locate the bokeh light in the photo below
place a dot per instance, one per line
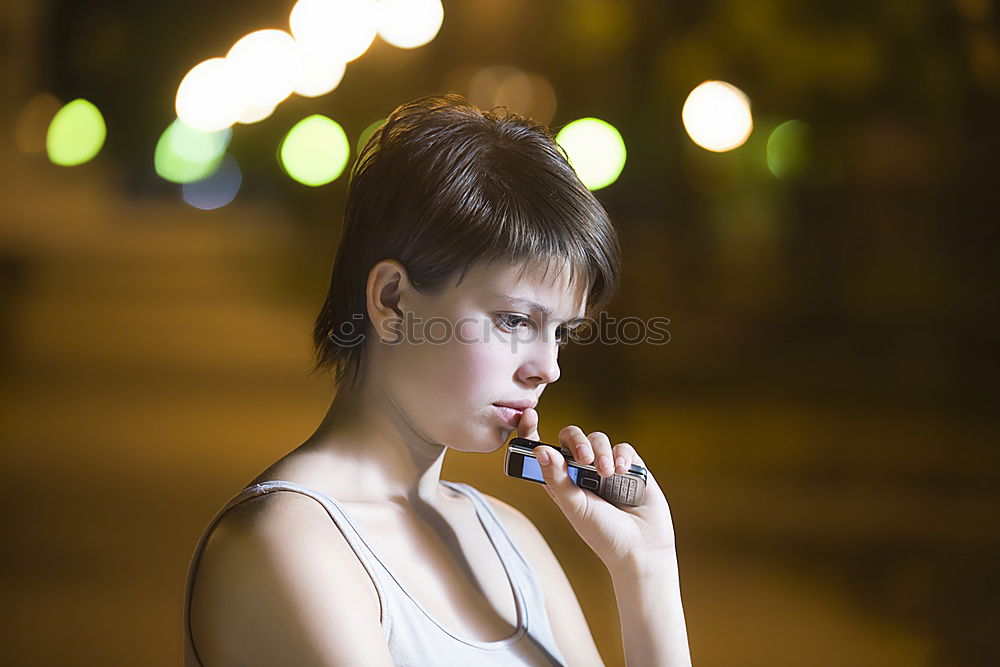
(264, 67)
(33, 122)
(717, 116)
(255, 114)
(218, 189)
(788, 149)
(502, 85)
(367, 133)
(315, 151)
(334, 30)
(408, 24)
(596, 151)
(207, 97)
(317, 75)
(76, 134)
(184, 154)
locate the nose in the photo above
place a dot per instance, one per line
(541, 365)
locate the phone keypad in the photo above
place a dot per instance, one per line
(623, 488)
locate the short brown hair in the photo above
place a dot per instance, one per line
(443, 185)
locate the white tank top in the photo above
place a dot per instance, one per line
(414, 637)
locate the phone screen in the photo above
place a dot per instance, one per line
(531, 470)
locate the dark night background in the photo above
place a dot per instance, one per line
(822, 419)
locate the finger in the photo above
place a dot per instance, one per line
(575, 440)
(602, 450)
(651, 484)
(568, 496)
(624, 454)
(527, 424)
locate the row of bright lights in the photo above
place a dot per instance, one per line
(265, 67)
(316, 150)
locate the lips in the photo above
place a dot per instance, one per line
(509, 416)
(522, 404)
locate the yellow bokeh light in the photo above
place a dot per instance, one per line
(408, 24)
(185, 155)
(315, 151)
(207, 98)
(367, 133)
(596, 151)
(334, 29)
(264, 66)
(717, 116)
(788, 149)
(76, 134)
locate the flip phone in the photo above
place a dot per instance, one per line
(626, 489)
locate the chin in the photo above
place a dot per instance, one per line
(487, 441)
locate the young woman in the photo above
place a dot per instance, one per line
(469, 250)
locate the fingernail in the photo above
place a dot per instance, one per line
(620, 461)
(604, 462)
(543, 457)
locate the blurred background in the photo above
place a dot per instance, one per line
(814, 220)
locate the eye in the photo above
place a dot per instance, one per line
(509, 321)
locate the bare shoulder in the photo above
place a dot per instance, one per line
(273, 575)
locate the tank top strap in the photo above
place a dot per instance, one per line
(373, 566)
(519, 569)
(416, 626)
(495, 529)
(376, 569)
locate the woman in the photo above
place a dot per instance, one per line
(469, 250)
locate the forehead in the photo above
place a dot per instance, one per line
(555, 291)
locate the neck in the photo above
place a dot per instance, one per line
(368, 437)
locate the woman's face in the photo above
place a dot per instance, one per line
(477, 344)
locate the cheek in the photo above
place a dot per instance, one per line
(446, 388)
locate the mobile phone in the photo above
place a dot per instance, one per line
(626, 489)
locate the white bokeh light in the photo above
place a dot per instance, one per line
(408, 24)
(717, 116)
(252, 113)
(207, 98)
(264, 66)
(318, 76)
(334, 30)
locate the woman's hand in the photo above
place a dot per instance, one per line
(617, 534)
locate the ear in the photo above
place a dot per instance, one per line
(388, 282)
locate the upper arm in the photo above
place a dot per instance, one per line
(278, 584)
(569, 625)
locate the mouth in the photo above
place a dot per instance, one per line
(509, 416)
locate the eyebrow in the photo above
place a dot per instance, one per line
(537, 306)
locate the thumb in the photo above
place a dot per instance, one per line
(570, 498)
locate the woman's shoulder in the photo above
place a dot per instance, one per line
(271, 558)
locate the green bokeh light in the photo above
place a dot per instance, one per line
(367, 133)
(185, 155)
(788, 149)
(315, 150)
(76, 134)
(596, 151)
